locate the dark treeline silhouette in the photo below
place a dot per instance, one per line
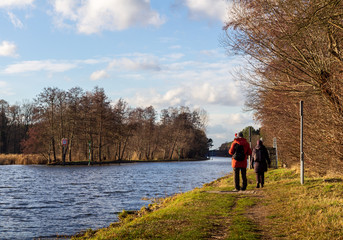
(15, 121)
(296, 53)
(99, 130)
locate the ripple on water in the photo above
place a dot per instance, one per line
(38, 201)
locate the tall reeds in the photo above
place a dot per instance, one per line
(21, 159)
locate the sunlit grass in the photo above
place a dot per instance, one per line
(309, 211)
(21, 159)
(292, 211)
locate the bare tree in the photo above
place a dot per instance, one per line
(47, 104)
(294, 48)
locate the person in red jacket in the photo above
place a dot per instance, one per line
(240, 166)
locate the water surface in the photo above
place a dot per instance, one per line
(42, 201)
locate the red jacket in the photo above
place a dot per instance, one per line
(247, 151)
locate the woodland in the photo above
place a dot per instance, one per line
(97, 129)
(294, 48)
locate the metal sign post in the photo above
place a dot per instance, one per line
(64, 143)
(301, 143)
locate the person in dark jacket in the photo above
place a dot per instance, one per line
(240, 166)
(260, 159)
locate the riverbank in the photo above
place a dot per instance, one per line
(36, 159)
(283, 209)
(80, 163)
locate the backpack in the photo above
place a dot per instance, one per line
(257, 155)
(239, 154)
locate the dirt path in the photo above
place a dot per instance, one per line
(235, 192)
(258, 214)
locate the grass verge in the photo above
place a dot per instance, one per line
(284, 209)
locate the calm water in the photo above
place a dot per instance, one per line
(41, 201)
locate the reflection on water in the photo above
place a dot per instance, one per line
(41, 201)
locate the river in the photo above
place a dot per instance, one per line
(43, 202)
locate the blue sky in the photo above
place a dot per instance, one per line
(159, 53)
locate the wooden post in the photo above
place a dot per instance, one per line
(250, 129)
(301, 143)
(89, 151)
(275, 146)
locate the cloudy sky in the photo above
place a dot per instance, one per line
(148, 52)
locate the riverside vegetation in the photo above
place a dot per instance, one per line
(284, 209)
(95, 128)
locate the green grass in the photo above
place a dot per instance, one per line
(288, 210)
(243, 227)
(193, 215)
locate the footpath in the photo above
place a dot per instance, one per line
(283, 209)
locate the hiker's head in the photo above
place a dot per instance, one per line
(240, 134)
(259, 142)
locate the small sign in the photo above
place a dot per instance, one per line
(64, 141)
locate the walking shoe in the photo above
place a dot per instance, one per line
(258, 185)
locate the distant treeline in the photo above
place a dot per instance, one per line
(98, 129)
(223, 150)
(296, 53)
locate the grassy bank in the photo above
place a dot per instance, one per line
(284, 209)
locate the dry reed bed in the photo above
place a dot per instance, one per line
(21, 159)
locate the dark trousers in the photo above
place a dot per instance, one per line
(260, 178)
(244, 178)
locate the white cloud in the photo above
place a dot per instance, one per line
(8, 49)
(175, 56)
(3, 84)
(94, 16)
(53, 65)
(191, 93)
(99, 75)
(93, 61)
(15, 3)
(139, 63)
(212, 9)
(34, 66)
(15, 20)
(66, 9)
(215, 53)
(5, 90)
(239, 118)
(190, 82)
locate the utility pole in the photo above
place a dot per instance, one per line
(301, 143)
